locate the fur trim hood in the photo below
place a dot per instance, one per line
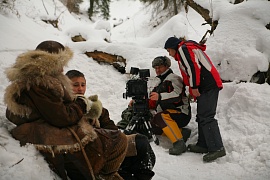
(36, 68)
(37, 63)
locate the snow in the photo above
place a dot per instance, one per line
(239, 48)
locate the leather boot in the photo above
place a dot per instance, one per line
(211, 156)
(196, 149)
(178, 148)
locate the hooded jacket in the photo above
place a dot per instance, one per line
(40, 102)
(196, 67)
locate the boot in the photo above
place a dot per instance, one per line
(178, 148)
(144, 174)
(186, 133)
(126, 175)
(196, 149)
(211, 156)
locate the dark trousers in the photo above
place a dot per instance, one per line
(208, 130)
(139, 167)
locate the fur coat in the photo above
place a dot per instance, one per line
(40, 102)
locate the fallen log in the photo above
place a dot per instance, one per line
(112, 59)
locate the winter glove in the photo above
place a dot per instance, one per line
(152, 104)
(87, 103)
(95, 111)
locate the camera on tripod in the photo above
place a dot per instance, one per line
(136, 88)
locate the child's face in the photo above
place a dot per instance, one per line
(78, 85)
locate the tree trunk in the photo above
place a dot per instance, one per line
(166, 2)
(175, 7)
(112, 59)
(199, 9)
(105, 57)
(91, 9)
(204, 13)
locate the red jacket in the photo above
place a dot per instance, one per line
(196, 67)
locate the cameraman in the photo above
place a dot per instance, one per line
(171, 104)
(140, 158)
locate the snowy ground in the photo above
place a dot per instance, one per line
(243, 108)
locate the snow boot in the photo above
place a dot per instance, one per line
(196, 149)
(178, 148)
(144, 174)
(211, 156)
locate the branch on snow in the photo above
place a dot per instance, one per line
(205, 14)
(268, 26)
(114, 60)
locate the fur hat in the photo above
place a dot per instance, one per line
(49, 46)
(161, 60)
(172, 43)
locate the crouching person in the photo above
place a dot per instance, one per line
(41, 103)
(172, 106)
(169, 106)
(140, 158)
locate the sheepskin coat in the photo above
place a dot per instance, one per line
(40, 102)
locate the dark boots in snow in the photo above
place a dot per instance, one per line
(196, 149)
(143, 174)
(211, 156)
(178, 148)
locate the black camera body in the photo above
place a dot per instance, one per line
(136, 88)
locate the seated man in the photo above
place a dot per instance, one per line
(140, 158)
(48, 116)
(171, 104)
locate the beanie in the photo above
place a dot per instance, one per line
(161, 60)
(52, 47)
(172, 43)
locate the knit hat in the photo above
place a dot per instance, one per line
(52, 47)
(172, 43)
(161, 60)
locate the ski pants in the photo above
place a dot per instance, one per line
(208, 131)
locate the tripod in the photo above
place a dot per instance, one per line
(140, 118)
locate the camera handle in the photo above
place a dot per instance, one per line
(134, 121)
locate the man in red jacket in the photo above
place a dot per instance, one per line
(204, 83)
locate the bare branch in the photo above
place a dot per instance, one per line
(16, 163)
(45, 7)
(202, 11)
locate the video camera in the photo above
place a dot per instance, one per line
(136, 88)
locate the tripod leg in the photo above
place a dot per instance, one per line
(130, 127)
(149, 131)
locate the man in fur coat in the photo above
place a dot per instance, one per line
(40, 102)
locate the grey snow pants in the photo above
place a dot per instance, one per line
(208, 130)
